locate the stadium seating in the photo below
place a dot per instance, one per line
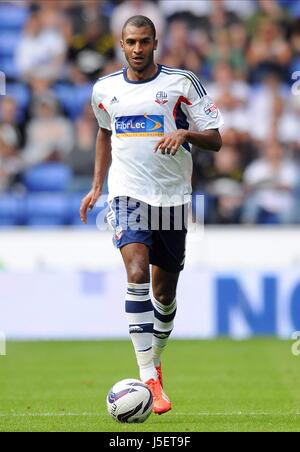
(73, 98)
(265, 217)
(8, 66)
(12, 19)
(19, 92)
(44, 209)
(8, 43)
(11, 210)
(13, 16)
(48, 177)
(74, 92)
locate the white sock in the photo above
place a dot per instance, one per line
(140, 315)
(163, 326)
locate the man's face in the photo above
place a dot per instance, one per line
(138, 46)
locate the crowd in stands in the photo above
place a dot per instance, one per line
(246, 53)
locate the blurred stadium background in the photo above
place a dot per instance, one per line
(243, 270)
(62, 280)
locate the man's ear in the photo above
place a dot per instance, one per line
(122, 44)
(155, 44)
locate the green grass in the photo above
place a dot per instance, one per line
(218, 385)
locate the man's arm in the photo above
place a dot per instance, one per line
(102, 162)
(208, 139)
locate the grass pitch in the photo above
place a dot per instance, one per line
(218, 385)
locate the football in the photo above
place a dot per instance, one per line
(129, 401)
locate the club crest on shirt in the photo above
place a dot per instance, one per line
(161, 97)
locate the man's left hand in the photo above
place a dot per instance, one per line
(169, 144)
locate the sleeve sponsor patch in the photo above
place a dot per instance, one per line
(211, 110)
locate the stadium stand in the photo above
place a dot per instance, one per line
(246, 53)
(49, 177)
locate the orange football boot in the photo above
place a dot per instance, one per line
(159, 374)
(161, 402)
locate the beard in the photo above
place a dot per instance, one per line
(140, 68)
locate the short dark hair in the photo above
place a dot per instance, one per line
(140, 21)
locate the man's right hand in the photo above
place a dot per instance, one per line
(88, 202)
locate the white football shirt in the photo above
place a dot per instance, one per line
(139, 113)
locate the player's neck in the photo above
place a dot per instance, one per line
(147, 74)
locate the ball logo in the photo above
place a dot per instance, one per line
(129, 401)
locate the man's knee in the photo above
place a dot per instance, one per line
(165, 297)
(137, 274)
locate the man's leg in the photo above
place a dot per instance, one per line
(139, 308)
(140, 315)
(164, 286)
